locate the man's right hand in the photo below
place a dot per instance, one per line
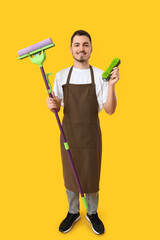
(53, 102)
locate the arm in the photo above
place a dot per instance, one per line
(111, 103)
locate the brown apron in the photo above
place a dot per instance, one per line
(82, 131)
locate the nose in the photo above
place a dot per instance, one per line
(81, 48)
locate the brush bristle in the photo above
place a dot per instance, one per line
(114, 63)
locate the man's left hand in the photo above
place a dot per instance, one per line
(114, 76)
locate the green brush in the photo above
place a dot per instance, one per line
(106, 75)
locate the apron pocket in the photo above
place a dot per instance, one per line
(80, 136)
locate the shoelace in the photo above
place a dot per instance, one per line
(68, 218)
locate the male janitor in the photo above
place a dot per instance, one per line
(82, 92)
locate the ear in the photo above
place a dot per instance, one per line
(70, 49)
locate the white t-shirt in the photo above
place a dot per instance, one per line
(82, 76)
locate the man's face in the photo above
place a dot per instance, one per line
(81, 48)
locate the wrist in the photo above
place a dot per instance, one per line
(111, 85)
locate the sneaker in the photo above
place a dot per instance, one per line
(68, 222)
(97, 225)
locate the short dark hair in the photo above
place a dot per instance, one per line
(81, 33)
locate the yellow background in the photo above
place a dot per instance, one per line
(33, 199)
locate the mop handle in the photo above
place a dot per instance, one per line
(65, 141)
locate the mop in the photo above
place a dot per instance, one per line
(37, 55)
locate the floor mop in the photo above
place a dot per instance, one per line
(37, 55)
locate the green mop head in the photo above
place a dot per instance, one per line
(36, 52)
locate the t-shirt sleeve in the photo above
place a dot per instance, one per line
(105, 91)
(102, 92)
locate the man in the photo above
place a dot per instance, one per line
(82, 92)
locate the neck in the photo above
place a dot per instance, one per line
(81, 65)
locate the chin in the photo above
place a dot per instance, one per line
(81, 59)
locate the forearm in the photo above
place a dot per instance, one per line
(110, 104)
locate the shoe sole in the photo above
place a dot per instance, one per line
(71, 226)
(92, 226)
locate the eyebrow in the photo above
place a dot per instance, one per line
(79, 43)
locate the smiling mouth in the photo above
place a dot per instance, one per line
(81, 54)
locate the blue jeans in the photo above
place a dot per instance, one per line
(73, 201)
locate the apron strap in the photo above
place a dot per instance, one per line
(92, 75)
(70, 71)
(69, 75)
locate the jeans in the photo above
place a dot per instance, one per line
(73, 201)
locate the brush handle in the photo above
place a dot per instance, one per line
(64, 140)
